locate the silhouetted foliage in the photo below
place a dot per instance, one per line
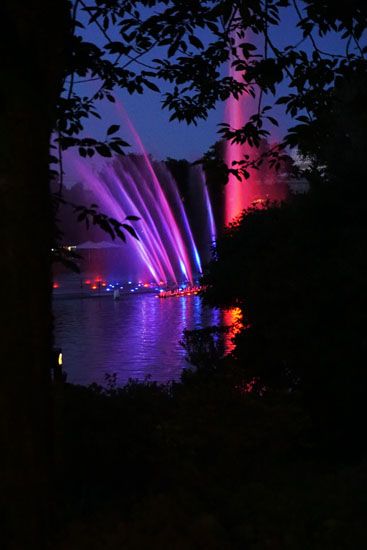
(161, 41)
(301, 278)
(200, 464)
(204, 347)
(298, 272)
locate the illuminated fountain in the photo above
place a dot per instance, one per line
(263, 184)
(136, 185)
(238, 195)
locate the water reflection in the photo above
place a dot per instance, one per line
(134, 337)
(232, 318)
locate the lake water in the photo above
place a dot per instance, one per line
(135, 337)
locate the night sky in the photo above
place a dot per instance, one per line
(163, 138)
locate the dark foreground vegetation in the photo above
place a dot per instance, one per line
(200, 465)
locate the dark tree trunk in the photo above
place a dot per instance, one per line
(33, 45)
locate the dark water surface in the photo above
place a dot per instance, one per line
(134, 337)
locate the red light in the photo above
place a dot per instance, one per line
(87, 282)
(55, 285)
(146, 285)
(98, 279)
(104, 284)
(94, 287)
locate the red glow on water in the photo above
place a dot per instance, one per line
(178, 292)
(55, 285)
(87, 282)
(232, 318)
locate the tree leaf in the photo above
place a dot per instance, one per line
(113, 129)
(130, 230)
(104, 150)
(196, 42)
(151, 86)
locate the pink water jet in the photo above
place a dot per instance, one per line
(239, 195)
(165, 212)
(136, 185)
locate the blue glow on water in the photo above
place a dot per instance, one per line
(134, 336)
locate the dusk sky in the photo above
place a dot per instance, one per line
(163, 138)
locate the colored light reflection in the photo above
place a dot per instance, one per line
(232, 318)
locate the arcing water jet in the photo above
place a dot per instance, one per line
(137, 185)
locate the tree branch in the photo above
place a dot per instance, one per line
(132, 59)
(310, 36)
